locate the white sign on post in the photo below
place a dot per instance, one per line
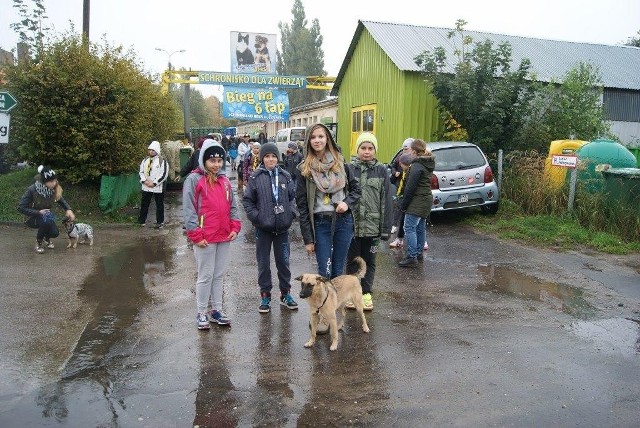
(566, 161)
(4, 128)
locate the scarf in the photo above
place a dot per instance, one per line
(326, 180)
(401, 184)
(254, 164)
(43, 190)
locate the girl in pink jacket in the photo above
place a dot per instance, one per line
(212, 222)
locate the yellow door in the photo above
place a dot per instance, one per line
(363, 119)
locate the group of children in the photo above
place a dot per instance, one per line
(344, 210)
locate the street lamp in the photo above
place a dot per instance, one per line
(169, 55)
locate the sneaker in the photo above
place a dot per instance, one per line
(202, 321)
(219, 317)
(426, 247)
(394, 229)
(367, 302)
(39, 247)
(408, 261)
(49, 245)
(396, 243)
(265, 304)
(159, 225)
(350, 305)
(287, 300)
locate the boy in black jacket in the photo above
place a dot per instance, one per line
(269, 202)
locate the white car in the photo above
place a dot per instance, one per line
(462, 178)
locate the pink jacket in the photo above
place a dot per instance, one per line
(210, 212)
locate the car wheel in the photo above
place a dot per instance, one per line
(490, 209)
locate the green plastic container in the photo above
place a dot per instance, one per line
(636, 152)
(185, 154)
(598, 155)
(623, 186)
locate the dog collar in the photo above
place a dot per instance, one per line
(323, 302)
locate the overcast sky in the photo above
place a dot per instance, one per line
(202, 27)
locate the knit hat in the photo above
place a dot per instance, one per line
(292, 146)
(214, 151)
(407, 143)
(155, 146)
(46, 174)
(406, 158)
(269, 148)
(367, 137)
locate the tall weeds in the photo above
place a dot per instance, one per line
(529, 184)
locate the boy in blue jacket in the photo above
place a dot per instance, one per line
(269, 202)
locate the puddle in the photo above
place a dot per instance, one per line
(505, 280)
(614, 335)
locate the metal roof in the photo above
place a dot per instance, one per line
(550, 59)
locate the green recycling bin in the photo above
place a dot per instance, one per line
(623, 186)
(185, 154)
(636, 153)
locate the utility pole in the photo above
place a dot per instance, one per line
(86, 5)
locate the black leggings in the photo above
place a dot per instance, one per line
(47, 230)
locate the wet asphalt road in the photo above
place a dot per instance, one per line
(484, 333)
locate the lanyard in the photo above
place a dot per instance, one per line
(274, 184)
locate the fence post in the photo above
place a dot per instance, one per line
(500, 169)
(572, 188)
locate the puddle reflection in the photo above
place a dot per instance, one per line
(570, 300)
(615, 335)
(118, 289)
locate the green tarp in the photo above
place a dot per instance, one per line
(115, 191)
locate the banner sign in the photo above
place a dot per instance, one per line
(255, 104)
(245, 79)
(253, 52)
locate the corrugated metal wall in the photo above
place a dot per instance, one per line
(621, 105)
(404, 105)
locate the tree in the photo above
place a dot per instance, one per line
(301, 54)
(634, 41)
(484, 95)
(86, 112)
(198, 113)
(570, 109)
(30, 26)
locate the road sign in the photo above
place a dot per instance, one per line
(4, 128)
(566, 161)
(7, 102)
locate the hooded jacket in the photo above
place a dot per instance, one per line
(417, 198)
(210, 212)
(259, 201)
(154, 168)
(372, 214)
(306, 190)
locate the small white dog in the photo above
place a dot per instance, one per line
(77, 231)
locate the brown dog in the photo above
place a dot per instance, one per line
(325, 297)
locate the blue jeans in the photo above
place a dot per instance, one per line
(332, 255)
(415, 234)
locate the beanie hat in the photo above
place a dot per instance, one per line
(46, 174)
(367, 137)
(155, 146)
(213, 151)
(292, 146)
(407, 143)
(269, 148)
(406, 158)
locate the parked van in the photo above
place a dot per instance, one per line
(285, 136)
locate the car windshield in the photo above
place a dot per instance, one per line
(297, 135)
(456, 158)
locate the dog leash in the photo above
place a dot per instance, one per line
(325, 299)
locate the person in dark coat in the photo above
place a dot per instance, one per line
(416, 202)
(269, 202)
(292, 159)
(36, 203)
(192, 163)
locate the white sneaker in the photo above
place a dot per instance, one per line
(394, 229)
(426, 247)
(396, 243)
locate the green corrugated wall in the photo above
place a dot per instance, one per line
(404, 104)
